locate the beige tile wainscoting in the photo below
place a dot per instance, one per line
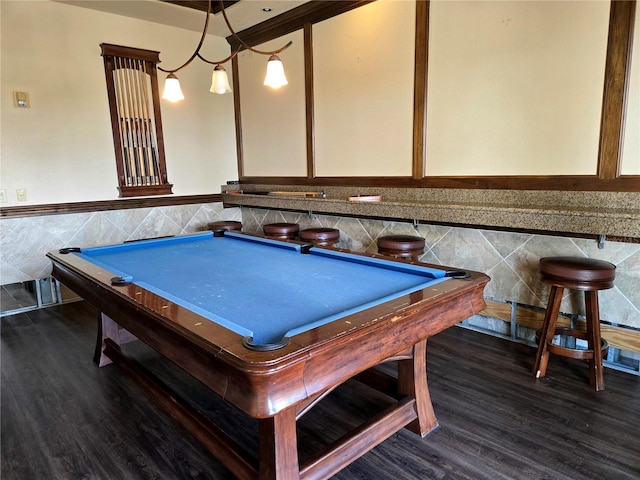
(515, 297)
(26, 240)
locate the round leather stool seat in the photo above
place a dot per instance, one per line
(281, 231)
(577, 273)
(225, 225)
(321, 237)
(401, 245)
(574, 273)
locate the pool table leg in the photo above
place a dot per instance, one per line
(279, 447)
(412, 382)
(107, 328)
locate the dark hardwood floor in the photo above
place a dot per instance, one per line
(64, 418)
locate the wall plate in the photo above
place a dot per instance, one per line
(21, 100)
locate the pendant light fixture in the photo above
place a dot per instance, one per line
(275, 77)
(220, 81)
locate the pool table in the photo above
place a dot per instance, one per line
(272, 327)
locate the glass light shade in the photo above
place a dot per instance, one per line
(275, 73)
(219, 81)
(172, 90)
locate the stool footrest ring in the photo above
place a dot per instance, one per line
(580, 354)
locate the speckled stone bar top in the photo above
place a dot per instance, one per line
(614, 214)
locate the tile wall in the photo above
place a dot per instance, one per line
(25, 241)
(510, 259)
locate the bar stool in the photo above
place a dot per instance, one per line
(281, 231)
(321, 237)
(575, 273)
(225, 225)
(403, 246)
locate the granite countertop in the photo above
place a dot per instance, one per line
(613, 214)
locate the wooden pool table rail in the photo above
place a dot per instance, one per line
(278, 387)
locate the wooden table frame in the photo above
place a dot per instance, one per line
(280, 386)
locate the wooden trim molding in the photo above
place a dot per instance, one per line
(97, 206)
(235, 68)
(144, 190)
(616, 82)
(309, 104)
(295, 19)
(420, 90)
(628, 183)
(607, 177)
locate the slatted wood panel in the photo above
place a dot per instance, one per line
(623, 338)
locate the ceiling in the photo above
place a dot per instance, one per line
(187, 14)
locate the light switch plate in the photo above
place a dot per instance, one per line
(21, 100)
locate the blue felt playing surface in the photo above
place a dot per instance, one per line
(260, 288)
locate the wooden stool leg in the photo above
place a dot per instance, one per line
(548, 329)
(596, 374)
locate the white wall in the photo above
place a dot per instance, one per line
(363, 67)
(268, 114)
(515, 88)
(61, 149)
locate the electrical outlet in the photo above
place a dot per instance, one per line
(21, 193)
(3, 195)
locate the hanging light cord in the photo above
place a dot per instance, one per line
(233, 54)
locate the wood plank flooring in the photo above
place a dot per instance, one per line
(64, 418)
